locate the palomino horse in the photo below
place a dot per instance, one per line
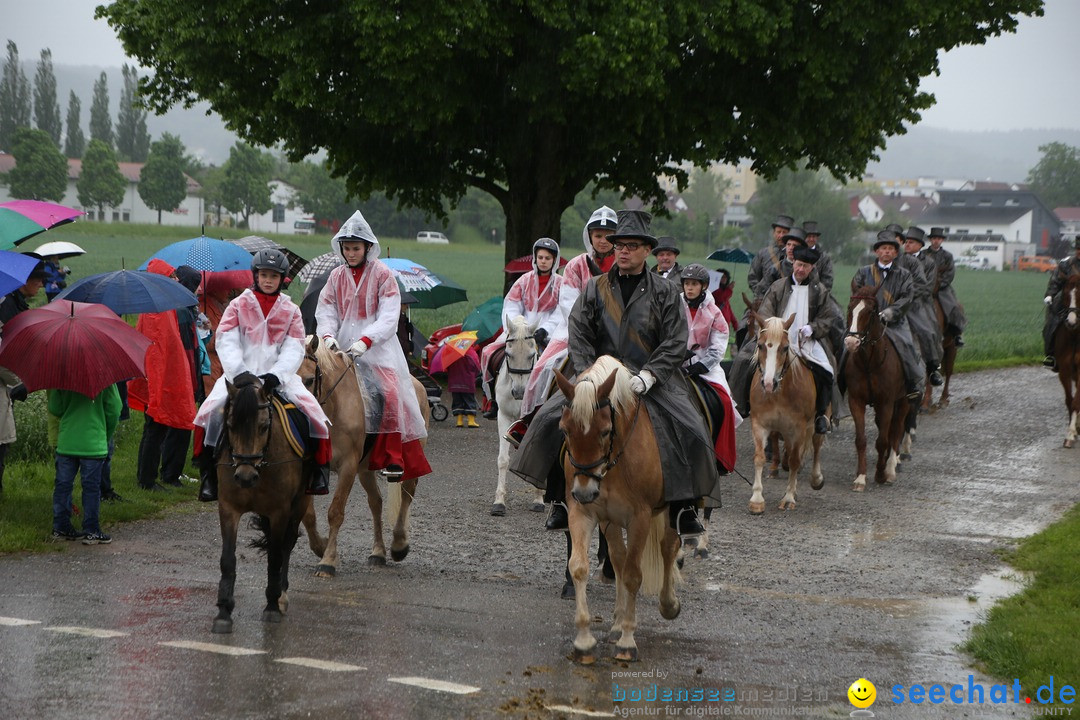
(782, 395)
(1067, 352)
(772, 449)
(612, 466)
(521, 354)
(262, 475)
(331, 376)
(874, 376)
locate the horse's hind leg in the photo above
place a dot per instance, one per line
(316, 542)
(401, 495)
(301, 504)
(795, 455)
(701, 548)
(375, 504)
(774, 454)
(617, 553)
(669, 549)
(817, 478)
(229, 519)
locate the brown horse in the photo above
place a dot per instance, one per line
(261, 474)
(948, 362)
(614, 478)
(1067, 352)
(782, 395)
(331, 376)
(874, 376)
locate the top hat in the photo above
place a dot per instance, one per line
(810, 227)
(633, 224)
(894, 228)
(936, 232)
(887, 237)
(806, 254)
(666, 242)
(917, 234)
(796, 234)
(785, 221)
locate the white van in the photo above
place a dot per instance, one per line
(304, 226)
(431, 237)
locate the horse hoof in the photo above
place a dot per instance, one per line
(568, 591)
(774, 473)
(757, 508)
(325, 571)
(583, 657)
(271, 616)
(537, 507)
(376, 560)
(817, 483)
(498, 510)
(702, 553)
(858, 488)
(905, 456)
(1068, 444)
(399, 555)
(626, 654)
(670, 613)
(785, 505)
(680, 561)
(222, 626)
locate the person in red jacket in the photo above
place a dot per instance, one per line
(722, 297)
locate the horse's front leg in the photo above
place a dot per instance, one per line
(817, 477)
(498, 508)
(858, 416)
(1072, 400)
(402, 497)
(630, 580)
(375, 504)
(701, 545)
(581, 530)
(335, 514)
(275, 557)
(886, 418)
(316, 542)
(229, 520)
(761, 437)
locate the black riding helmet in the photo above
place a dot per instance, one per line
(269, 259)
(696, 271)
(546, 244)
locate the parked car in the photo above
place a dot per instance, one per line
(432, 238)
(304, 226)
(1040, 263)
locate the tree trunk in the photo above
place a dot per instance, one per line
(159, 216)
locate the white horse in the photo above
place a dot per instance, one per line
(514, 371)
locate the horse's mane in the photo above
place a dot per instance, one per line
(866, 292)
(519, 327)
(328, 358)
(621, 396)
(245, 401)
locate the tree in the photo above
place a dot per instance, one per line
(132, 139)
(40, 171)
(74, 141)
(100, 183)
(162, 185)
(46, 107)
(1056, 177)
(530, 101)
(14, 99)
(100, 122)
(322, 195)
(808, 195)
(245, 187)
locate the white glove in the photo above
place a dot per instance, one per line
(358, 348)
(637, 385)
(887, 315)
(806, 331)
(330, 343)
(1047, 300)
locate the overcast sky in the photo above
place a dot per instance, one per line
(1026, 80)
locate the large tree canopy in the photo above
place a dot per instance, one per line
(1056, 177)
(531, 100)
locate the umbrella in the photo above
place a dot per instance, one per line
(131, 291)
(14, 269)
(203, 253)
(72, 347)
(320, 266)
(22, 219)
(431, 289)
(224, 282)
(732, 255)
(255, 243)
(523, 264)
(59, 250)
(486, 319)
(452, 350)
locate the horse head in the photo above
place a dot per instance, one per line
(247, 424)
(521, 354)
(1071, 296)
(588, 421)
(864, 326)
(774, 353)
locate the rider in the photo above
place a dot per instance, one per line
(921, 316)
(895, 292)
(358, 310)
(636, 316)
(1066, 268)
(666, 254)
(955, 321)
(534, 296)
(772, 255)
(707, 343)
(823, 268)
(261, 336)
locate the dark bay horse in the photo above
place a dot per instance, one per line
(875, 377)
(331, 376)
(1067, 352)
(614, 479)
(257, 472)
(948, 362)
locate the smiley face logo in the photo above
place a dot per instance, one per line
(862, 693)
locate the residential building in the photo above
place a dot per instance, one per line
(1024, 225)
(1070, 223)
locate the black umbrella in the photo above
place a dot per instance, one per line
(732, 255)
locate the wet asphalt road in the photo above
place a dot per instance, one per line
(789, 609)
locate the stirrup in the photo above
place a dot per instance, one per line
(689, 531)
(393, 473)
(515, 433)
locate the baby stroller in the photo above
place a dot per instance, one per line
(439, 411)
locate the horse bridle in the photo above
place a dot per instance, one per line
(864, 336)
(256, 460)
(607, 461)
(783, 369)
(317, 384)
(519, 371)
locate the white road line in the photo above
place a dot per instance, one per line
(440, 685)
(16, 622)
(88, 632)
(578, 711)
(321, 664)
(211, 647)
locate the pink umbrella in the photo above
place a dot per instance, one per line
(23, 219)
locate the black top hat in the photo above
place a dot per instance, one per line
(810, 227)
(936, 232)
(633, 224)
(666, 242)
(887, 237)
(894, 228)
(917, 234)
(785, 221)
(796, 234)
(806, 254)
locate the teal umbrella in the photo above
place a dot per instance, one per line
(486, 319)
(732, 255)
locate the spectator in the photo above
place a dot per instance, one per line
(722, 297)
(55, 278)
(461, 379)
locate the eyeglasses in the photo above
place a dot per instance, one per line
(631, 246)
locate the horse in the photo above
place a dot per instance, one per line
(874, 376)
(782, 395)
(262, 475)
(948, 362)
(772, 449)
(1067, 353)
(614, 478)
(513, 376)
(331, 376)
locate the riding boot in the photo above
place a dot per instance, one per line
(319, 482)
(823, 384)
(683, 518)
(958, 340)
(207, 474)
(558, 519)
(934, 376)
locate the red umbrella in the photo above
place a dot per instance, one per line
(72, 346)
(452, 350)
(523, 264)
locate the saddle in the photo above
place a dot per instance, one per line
(496, 360)
(294, 423)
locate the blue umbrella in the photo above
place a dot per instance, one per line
(131, 291)
(14, 269)
(203, 253)
(732, 255)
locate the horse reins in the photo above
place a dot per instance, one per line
(318, 380)
(607, 461)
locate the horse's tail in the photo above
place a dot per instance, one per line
(652, 557)
(262, 524)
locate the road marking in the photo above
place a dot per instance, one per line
(16, 622)
(211, 647)
(578, 711)
(321, 664)
(440, 685)
(88, 632)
